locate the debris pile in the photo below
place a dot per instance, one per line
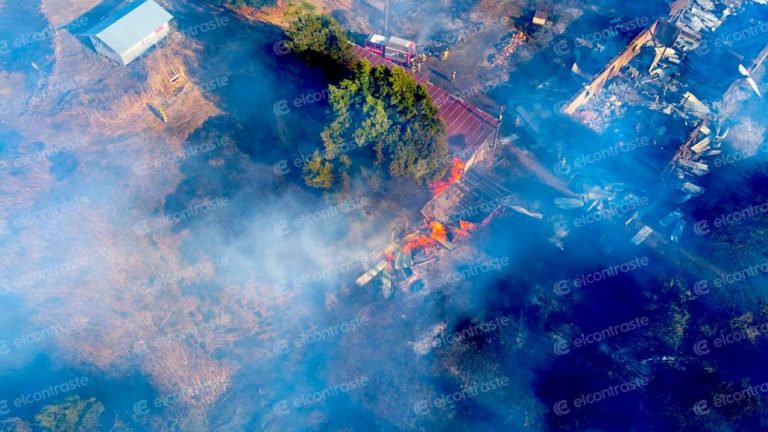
(458, 209)
(666, 75)
(515, 40)
(665, 69)
(693, 158)
(606, 201)
(398, 264)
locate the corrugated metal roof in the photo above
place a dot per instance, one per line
(130, 24)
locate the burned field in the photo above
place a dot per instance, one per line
(589, 258)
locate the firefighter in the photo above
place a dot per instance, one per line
(446, 53)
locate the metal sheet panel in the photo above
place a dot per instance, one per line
(130, 25)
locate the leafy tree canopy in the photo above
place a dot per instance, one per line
(388, 113)
(381, 110)
(74, 414)
(317, 37)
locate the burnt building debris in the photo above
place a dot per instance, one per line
(472, 199)
(543, 12)
(598, 203)
(609, 201)
(664, 78)
(641, 235)
(680, 74)
(398, 264)
(667, 67)
(690, 161)
(450, 218)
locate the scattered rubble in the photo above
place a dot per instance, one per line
(667, 69)
(508, 48)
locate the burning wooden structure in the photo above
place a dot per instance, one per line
(469, 132)
(450, 217)
(398, 263)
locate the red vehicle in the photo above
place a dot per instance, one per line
(377, 44)
(395, 49)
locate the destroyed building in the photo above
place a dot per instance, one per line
(470, 133)
(667, 67)
(677, 75)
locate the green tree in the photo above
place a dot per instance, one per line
(317, 37)
(382, 114)
(388, 113)
(319, 172)
(72, 415)
(14, 424)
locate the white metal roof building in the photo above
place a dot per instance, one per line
(130, 30)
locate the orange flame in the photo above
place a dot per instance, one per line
(438, 231)
(421, 242)
(464, 230)
(390, 260)
(457, 170)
